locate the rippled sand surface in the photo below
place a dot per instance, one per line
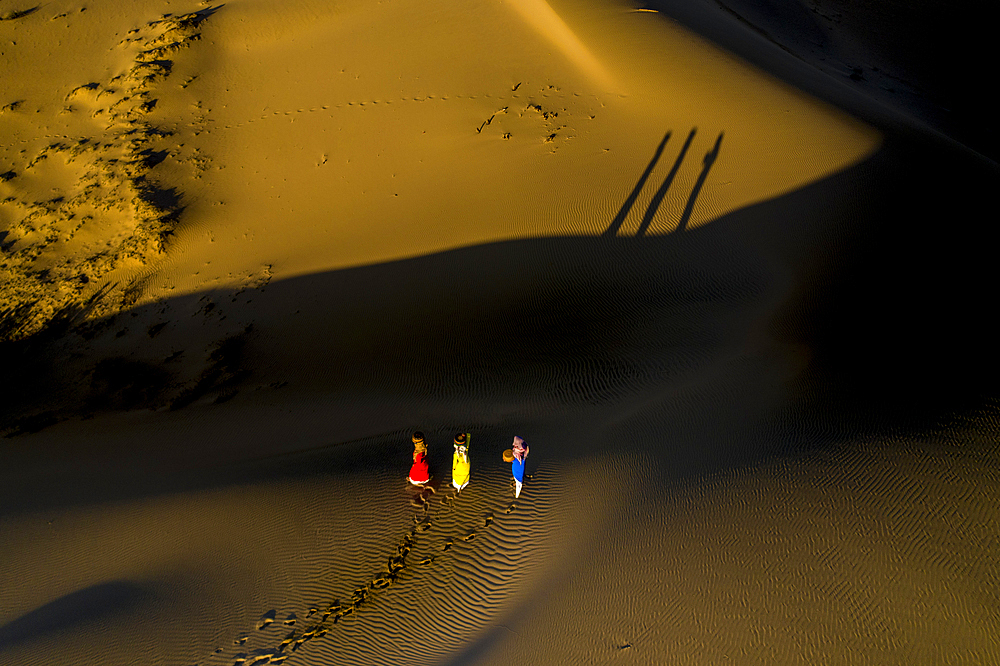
(721, 265)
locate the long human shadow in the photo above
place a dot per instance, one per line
(661, 192)
(623, 212)
(654, 204)
(83, 606)
(707, 163)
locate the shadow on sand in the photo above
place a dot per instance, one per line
(850, 297)
(661, 192)
(72, 610)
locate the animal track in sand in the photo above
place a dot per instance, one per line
(529, 114)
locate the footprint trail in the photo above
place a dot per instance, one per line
(321, 619)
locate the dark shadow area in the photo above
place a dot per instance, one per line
(707, 163)
(195, 19)
(481, 646)
(84, 606)
(657, 199)
(18, 13)
(790, 15)
(878, 279)
(941, 86)
(623, 212)
(119, 383)
(166, 199)
(150, 158)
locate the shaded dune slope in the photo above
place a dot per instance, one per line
(833, 280)
(924, 62)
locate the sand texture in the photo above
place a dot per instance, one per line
(727, 266)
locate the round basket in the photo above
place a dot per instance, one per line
(508, 456)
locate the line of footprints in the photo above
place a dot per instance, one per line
(320, 620)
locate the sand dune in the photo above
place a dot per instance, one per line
(736, 300)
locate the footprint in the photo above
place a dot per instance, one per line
(290, 620)
(489, 520)
(265, 619)
(469, 537)
(448, 544)
(511, 507)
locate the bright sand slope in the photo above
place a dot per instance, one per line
(305, 136)
(312, 267)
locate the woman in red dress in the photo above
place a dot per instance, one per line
(419, 472)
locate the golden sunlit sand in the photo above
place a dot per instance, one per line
(717, 263)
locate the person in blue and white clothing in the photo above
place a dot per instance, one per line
(520, 452)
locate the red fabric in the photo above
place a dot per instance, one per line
(419, 473)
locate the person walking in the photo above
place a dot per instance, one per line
(419, 471)
(460, 465)
(519, 451)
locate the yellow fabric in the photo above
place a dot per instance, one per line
(460, 469)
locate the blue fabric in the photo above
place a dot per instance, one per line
(517, 468)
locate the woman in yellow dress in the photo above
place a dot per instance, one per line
(460, 466)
